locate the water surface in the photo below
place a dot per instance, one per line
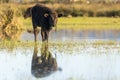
(78, 62)
(73, 35)
(88, 64)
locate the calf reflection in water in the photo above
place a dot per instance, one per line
(45, 64)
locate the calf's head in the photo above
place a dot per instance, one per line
(28, 13)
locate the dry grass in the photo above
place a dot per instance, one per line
(73, 9)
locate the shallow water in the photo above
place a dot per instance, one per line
(85, 64)
(77, 35)
(78, 62)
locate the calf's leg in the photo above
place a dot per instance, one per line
(35, 33)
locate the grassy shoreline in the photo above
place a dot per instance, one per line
(81, 23)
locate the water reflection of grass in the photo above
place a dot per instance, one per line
(83, 23)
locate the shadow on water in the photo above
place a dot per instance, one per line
(45, 64)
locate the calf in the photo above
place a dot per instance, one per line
(43, 17)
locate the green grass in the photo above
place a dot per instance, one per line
(87, 23)
(82, 23)
(26, 23)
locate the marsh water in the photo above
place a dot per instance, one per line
(75, 61)
(77, 35)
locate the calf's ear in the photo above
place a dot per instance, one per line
(59, 15)
(46, 15)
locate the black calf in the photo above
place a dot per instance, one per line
(43, 17)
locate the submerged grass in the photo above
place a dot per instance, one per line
(61, 46)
